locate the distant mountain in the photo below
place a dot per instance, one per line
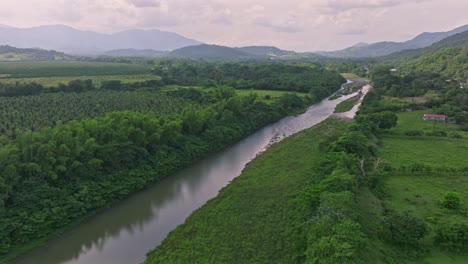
(8, 53)
(265, 51)
(205, 51)
(73, 41)
(147, 53)
(385, 48)
(250, 52)
(360, 44)
(454, 41)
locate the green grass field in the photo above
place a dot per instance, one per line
(402, 150)
(414, 121)
(420, 193)
(267, 95)
(255, 219)
(54, 81)
(346, 105)
(350, 75)
(68, 68)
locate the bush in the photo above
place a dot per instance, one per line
(455, 135)
(403, 229)
(452, 237)
(437, 134)
(342, 245)
(451, 200)
(413, 133)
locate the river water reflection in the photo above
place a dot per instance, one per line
(125, 232)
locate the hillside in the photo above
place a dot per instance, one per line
(385, 48)
(73, 41)
(250, 52)
(205, 51)
(146, 53)
(457, 40)
(8, 53)
(265, 51)
(451, 62)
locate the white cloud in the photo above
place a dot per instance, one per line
(293, 24)
(144, 3)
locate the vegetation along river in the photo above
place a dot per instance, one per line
(125, 232)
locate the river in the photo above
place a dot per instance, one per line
(125, 232)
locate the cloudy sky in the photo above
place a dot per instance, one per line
(301, 25)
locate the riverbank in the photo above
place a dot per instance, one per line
(257, 217)
(77, 200)
(145, 219)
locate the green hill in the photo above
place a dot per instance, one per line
(8, 53)
(205, 51)
(385, 48)
(145, 53)
(250, 52)
(455, 41)
(451, 62)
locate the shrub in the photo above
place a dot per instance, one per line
(403, 229)
(437, 134)
(452, 237)
(455, 135)
(413, 133)
(451, 200)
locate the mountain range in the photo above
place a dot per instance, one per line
(77, 42)
(155, 43)
(378, 49)
(250, 52)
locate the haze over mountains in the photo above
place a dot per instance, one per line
(361, 50)
(155, 43)
(73, 41)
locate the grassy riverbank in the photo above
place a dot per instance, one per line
(257, 218)
(346, 105)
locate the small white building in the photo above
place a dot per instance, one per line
(434, 117)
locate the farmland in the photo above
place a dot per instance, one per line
(68, 68)
(77, 136)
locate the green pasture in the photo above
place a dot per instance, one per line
(54, 81)
(346, 105)
(68, 68)
(256, 218)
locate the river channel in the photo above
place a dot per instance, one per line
(126, 231)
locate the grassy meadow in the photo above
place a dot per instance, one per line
(68, 68)
(256, 218)
(346, 105)
(97, 79)
(445, 160)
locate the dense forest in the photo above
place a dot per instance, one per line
(66, 151)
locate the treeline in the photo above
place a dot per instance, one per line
(335, 234)
(309, 78)
(412, 84)
(75, 86)
(304, 77)
(51, 177)
(451, 99)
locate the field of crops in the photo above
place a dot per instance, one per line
(68, 68)
(97, 79)
(34, 112)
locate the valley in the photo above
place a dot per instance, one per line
(234, 140)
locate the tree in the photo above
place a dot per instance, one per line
(403, 229)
